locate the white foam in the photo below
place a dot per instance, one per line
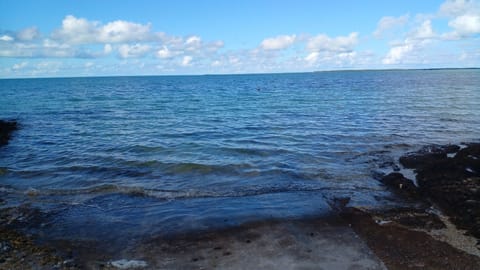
(128, 264)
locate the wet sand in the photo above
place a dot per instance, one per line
(351, 239)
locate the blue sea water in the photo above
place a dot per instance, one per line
(106, 156)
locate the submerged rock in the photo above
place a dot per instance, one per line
(401, 185)
(6, 129)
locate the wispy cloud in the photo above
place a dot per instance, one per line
(388, 23)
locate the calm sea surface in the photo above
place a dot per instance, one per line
(152, 155)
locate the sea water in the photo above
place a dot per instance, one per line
(103, 157)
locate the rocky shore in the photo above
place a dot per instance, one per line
(447, 177)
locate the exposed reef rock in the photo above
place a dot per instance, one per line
(6, 129)
(449, 176)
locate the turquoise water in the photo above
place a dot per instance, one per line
(160, 154)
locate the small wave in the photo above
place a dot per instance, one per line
(180, 168)
(161, 194)
(145, 149)
(105, 171)
(262, 152)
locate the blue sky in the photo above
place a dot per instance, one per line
(102, 38)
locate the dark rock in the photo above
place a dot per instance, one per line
(450, 148)
(469, 158)
(427, 155)
(452, 183)
(413, 161)
(401, 185)
(6, 129)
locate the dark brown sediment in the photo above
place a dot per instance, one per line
(401, 245)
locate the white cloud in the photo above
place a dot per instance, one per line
(186, 61)
(464, 17)
(48, 43)
(312, 58)
(133, 51)
(165, 53)
(193, 44)
(19, 66)
(107, 49)
(424, 31)
(28, 34)
(397, 53)
(77, 30)
(81, 31)
(123, 31)
(414, 42)
(278, 42)
(331, 51)
(214, 46)
(193, 41)
(6, 38)
(233, 60)
(466, 25)
(454, 8)
(388, 23)
(331, 59)
(337, 44)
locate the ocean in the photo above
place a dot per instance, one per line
(105, 157)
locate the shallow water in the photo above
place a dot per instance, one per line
(151, 155)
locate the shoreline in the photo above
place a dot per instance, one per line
(349, 238)
(417, 237)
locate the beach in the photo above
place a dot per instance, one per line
(419, 237)
(334, 170)
(352, 239)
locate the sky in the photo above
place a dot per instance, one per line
(73, 38)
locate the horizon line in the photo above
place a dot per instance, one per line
(239, 74)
